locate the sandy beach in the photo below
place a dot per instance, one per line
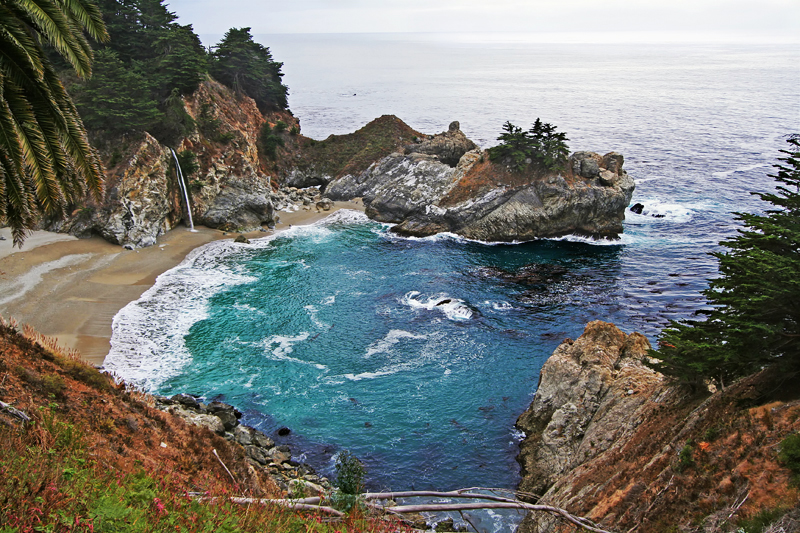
(71, 288)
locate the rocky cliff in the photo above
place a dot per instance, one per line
(425, 184)
(444, 183)
(227, 190)
(610, 439)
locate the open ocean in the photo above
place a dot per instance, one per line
(412, 353)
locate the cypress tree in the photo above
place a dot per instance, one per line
(754, 319)
(248, 68)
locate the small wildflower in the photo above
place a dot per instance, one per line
(160, 509)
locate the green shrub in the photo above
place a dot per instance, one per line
(188, 163)
(760, 522)
(53, 384)
(789, 454)
(270, 139)
(685, 459)
(349, 481)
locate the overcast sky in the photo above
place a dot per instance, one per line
(771, 20)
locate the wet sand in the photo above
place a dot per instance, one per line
(71, 288)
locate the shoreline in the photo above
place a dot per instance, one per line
(71, 289)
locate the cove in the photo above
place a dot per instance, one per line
(417, 355)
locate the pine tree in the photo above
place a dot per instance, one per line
(106, 107)
(754, 320)
(248, 68)
(541, 146)
(140, 75)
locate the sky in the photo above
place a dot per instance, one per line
(746, 20)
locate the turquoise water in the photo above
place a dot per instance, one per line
(416, 355)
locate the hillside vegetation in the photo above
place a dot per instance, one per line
(97, 456)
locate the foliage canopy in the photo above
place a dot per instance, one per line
(541, 146)
(248, 68)
(754, 320)
(149, 62)
(46, 161)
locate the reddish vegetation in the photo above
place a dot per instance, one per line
(97, 454)
(720, 470)
(485, 176)
(124, 430)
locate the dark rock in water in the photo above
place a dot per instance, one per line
(284, 431)
(228, 419)
(242, 239)
(216, 407)
(187, 400)
(637, 208)
(532, 274)
(444, 302)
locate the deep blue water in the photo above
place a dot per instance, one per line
(334, 330)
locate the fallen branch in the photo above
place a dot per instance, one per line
(14, 412)
(424, 508)
(305, 504)
(496, 502)
(434, 494)
(223, 466)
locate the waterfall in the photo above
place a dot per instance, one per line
(183, 188)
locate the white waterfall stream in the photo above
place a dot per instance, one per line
(183, 188)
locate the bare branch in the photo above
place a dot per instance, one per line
(423, 508)
(434, 494)
(305, 504)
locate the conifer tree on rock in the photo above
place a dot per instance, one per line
(248, 68)
(754, 320)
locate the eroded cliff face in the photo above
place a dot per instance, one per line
(447, 184)
(229, 190)
(612, 440)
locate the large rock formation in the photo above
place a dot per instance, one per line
(610, 439)
(446, 184)
(231, 191)
(143, 197)
(601, 372)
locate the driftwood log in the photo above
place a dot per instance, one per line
(493, 502)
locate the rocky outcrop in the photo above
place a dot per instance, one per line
(610, 439)
(228, 190)
(589, 391)
(447, 147)
(261, 451)
(318, 163)
(446, 184)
